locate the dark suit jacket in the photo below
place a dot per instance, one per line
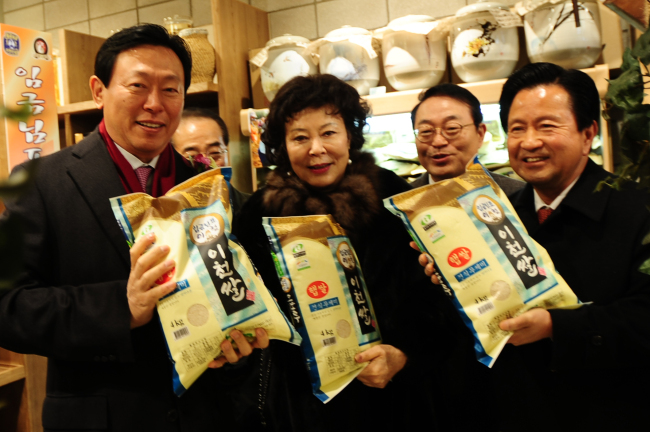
(507, 184)
(71, 306)
(591, 375)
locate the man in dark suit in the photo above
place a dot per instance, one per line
(585, 368)
(86, 301)
(449, 133)
(581, 369)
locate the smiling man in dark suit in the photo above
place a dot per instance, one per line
(86, 301)
(584, 368)
(581, 369)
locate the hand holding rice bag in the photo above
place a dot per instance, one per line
(217, 287)
(483, 255)
(330, 306)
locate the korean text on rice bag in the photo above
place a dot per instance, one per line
(217, 287)
(330, 306)
(483, 253)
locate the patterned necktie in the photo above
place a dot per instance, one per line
(143, 174)
(543, 214)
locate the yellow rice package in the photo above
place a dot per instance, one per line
(327, 295)
(485, 259)
(217, 287)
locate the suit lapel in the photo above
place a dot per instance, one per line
(96, 177)
(524, 203)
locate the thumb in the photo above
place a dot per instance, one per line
(367, 355)
(508, 325)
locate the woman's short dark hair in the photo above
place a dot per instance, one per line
(316, 91)
(452, 91)
(197, 112)
(131, 37)
(583, 94)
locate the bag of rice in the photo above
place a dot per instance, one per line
(330, 306)
(217, 288)
(483, 253)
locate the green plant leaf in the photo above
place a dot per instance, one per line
(641, 48)
(19, 181)
(20, 114)
(626, 91)
(645, 267)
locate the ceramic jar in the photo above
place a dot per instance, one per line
(414, 56)
(552, 35)
(349, 56)
(482, 49)
(174, 24)
(203, 55)
(286, 59)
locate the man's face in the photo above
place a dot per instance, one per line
(143, 103)
(446, 158)
(201, 135)
(545, 146)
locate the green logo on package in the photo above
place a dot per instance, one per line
(427, 221)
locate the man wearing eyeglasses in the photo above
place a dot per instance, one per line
(202, 131)
(449, 133)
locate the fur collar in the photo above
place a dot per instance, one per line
(353, 203)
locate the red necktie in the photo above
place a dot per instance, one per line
(143, 173)
(543, 214)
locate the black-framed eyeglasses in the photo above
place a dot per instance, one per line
(449, 130)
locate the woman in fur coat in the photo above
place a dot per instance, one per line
(314, 136)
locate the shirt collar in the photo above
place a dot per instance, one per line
(134, 161)
(556, 202)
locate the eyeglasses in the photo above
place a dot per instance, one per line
(216, 155)
(449, 130)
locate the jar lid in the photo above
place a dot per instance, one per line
(481, 6)
(346, 30)
(178, 19)
(287, 39)
(193, 31)
(408, 19)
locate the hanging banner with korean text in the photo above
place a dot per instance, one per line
(28, 79)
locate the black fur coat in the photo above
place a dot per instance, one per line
(393, 277)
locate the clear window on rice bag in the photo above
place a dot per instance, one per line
(488, 264)
(330, 307)
(217, 287)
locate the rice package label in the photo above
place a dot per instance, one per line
(485, 259)
(217, 287)
(330, 307)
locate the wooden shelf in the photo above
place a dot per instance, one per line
(11, 373)
(77, 108)
(89, 106)
(205, 87)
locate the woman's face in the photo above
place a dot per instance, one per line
(318, 146)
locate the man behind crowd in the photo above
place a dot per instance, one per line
(202, 131)
(449, 133)
(585, 368)
(86, 301)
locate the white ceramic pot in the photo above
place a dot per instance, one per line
(285, 61)
(552, 35)
(482, 49)
(350, 61)
(413, 59)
